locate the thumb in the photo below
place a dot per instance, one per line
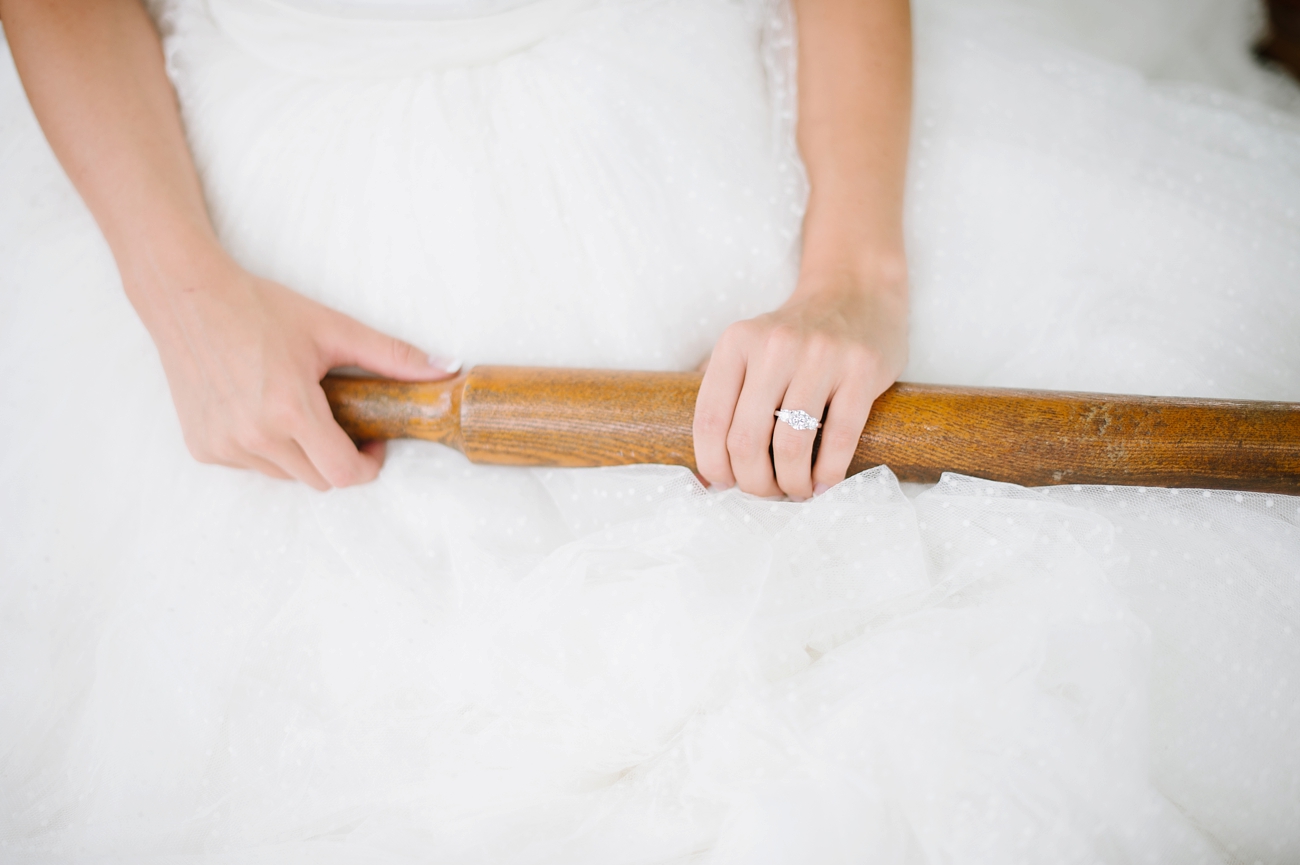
(354, 344)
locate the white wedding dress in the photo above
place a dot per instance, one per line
(472, 664)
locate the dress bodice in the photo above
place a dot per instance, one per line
(422, 9)
(387, 38)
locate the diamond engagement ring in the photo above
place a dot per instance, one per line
(797, 418)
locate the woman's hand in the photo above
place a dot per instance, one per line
(244, 358)
(841, 339)
(830, 350)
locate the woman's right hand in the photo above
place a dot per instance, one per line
(244, 358)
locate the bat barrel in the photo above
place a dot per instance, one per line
(578, 417)
(1041, 438)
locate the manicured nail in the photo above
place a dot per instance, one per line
(446, 364)
(818, 489)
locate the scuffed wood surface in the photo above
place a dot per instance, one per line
(566, 417)
(371, 409)
(1040, 438)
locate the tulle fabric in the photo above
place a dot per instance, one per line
(478, 664)
(395, 197)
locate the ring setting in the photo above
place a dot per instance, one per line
(797, 418)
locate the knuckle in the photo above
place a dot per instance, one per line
(840, 440)
(255, 439)
(711, 424)
(402, 354)
(201, 451)
(738, 333)
(828, 478)
(741, 441)
(282, 409)
(713, 465)
(822, 345)
(712, 474)
(783, 339)
(227, 452)
(864, 357)
(221, 452)
(788, 447)
(797, 492)
(281, 415)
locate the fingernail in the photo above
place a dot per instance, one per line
(446, 364)
(723, 487)
(818, 489)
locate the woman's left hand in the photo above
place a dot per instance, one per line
(830, 350)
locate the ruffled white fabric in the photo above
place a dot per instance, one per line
(476, 664)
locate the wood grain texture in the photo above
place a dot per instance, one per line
(566, 417)
(578, 417)
(1040, 438)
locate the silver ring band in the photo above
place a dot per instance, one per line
(797, 419)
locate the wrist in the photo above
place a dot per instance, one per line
(163, 260)
(170, 270)
(876, 270)
(847, 242)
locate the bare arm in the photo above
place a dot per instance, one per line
(855, 105)
(243, 356)
(93, 71)
(841, 338)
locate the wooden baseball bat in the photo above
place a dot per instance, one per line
(578, 417)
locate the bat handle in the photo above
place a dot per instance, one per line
(371, 409)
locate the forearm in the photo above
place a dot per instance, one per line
(94, 73)
(855, 96)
